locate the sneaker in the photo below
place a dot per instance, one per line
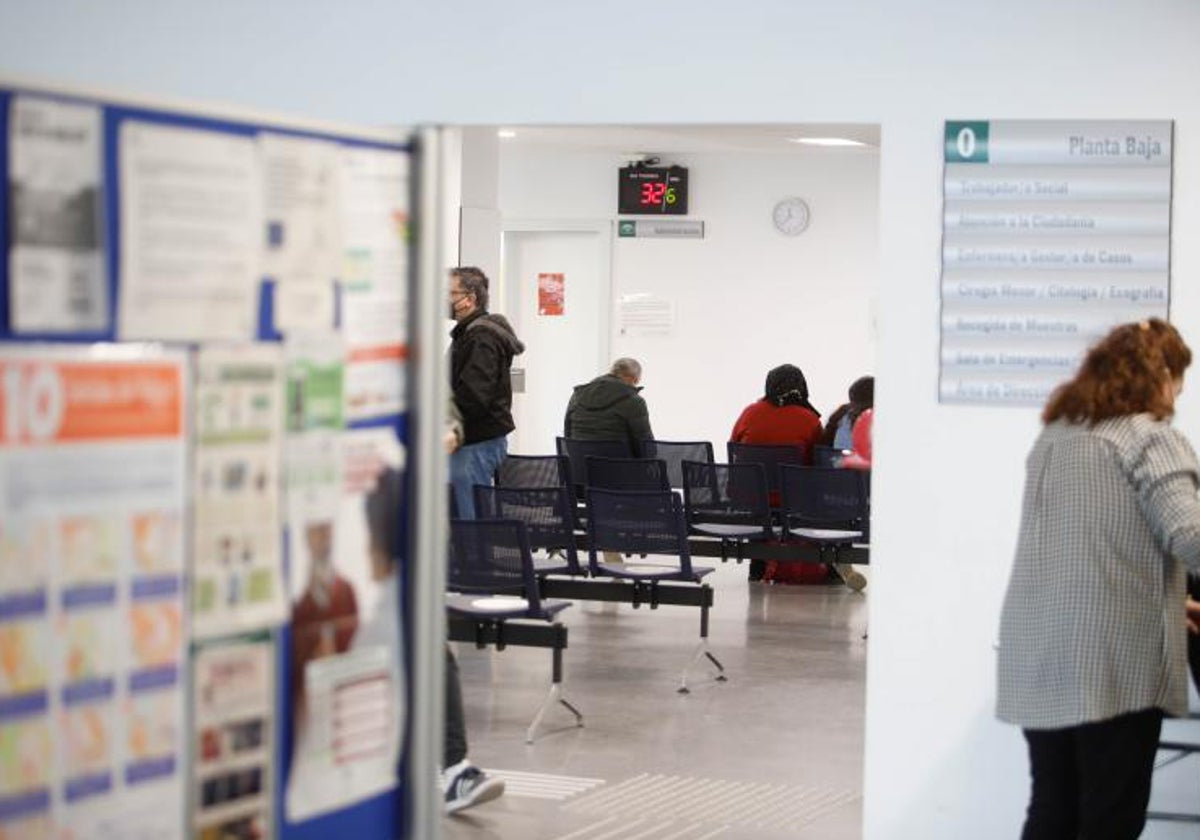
(853, 578)
(470, 787)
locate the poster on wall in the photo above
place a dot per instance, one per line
(303, 233)
(57, 277)
(1053, 232)
(191, 223)
(234, 738)
(346, 695)
(375, 233)
(551, 293)
(93, 470)
(237, 570)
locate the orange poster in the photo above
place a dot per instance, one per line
(45, 401)
(551, 294)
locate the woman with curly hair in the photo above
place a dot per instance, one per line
(1093, 645)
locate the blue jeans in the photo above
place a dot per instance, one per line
(473, 464)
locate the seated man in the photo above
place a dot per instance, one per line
(610, 407)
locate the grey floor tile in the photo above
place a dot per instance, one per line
(774, 752)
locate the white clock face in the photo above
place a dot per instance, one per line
(790, 216)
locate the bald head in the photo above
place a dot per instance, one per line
(627, 370)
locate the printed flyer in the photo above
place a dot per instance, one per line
(375, 225)
(93, 466)
(57, 279)
(234, 694)
(238, 573)
(347, 690)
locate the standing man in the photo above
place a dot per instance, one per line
(481, 355)
(610, 407)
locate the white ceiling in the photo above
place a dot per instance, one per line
(679, 139)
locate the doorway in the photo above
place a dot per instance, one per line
(556, 281)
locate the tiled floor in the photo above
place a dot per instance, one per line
(774, 752)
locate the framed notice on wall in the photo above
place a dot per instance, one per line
(1052, 233)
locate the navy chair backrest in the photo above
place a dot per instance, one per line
(729, 494)
(626, 522)
(770, 455)
(577, 452)
(824, 497)
(826, 456)
(492, 556)
(533, 471)
(626, 473)
(675, 452)
(547, 512)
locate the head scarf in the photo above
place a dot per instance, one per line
(786, 385)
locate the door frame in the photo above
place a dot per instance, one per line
(602, 227)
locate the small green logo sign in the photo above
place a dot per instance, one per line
(966, 142)
(626, 228)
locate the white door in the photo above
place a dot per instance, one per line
(561, 350)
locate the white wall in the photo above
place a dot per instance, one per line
(948, 478)
(746, 297)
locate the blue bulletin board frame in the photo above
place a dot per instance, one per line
(378, 817)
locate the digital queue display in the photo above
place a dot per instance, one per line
(653, 190)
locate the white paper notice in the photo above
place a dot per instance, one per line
(374, 280)
(93, 465)
(303, 236)
(57, 280)
(644, 314)
(190, 234)
(238, 580)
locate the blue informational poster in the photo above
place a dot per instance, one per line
(136, 224)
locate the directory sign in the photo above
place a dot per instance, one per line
(1052, 233)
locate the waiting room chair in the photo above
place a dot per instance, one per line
(533, 471)
(645, 523)
(549, 517)
(675, 453)
(728, 501)
(772, 457)
(491, 567)
(577, 452)
(824, 505)
(626, 473)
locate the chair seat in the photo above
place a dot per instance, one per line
(729, 531)
(501, 607)
(652, 571)
(826, 534)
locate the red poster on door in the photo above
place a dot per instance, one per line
(551, 297)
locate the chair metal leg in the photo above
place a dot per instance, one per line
(701, 652)
(552, 697)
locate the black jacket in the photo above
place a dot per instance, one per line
(481, 354)
(608, 408)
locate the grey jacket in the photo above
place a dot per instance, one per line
(1093, 620)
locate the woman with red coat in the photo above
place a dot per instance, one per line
(783, 416)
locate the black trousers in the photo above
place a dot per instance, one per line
(454, 748)
(1092, 782)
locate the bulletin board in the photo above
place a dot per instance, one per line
(274, 256)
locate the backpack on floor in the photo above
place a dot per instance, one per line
(800, 574)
